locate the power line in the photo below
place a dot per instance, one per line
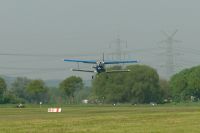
(28, 68)
(47, 55)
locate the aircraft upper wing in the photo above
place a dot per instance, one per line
(118, 62)
(82, 61)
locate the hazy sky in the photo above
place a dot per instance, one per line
(43, 28)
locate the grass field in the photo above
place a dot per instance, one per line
(101, 119)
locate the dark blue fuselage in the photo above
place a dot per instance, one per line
(100, 67)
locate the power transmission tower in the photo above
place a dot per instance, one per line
(170, 55)
(118, 52)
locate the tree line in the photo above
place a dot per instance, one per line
(141, 85)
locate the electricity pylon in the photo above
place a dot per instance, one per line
(119, 50)
(170, 55)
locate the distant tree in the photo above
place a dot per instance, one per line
(3, 88)
(70, 85)
(19, 87)
(109, 87)
(56, 96)
(165, 89)
(186, 84)
(82, 94)
(37, 91)
(194, 82)
(9, 97)
(140, 85)
(179, 86)
(99, 86)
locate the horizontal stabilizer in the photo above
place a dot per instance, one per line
(117, 71)
(81, 70)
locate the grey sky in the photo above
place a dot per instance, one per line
(82, 27)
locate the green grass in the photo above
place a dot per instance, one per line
(101, 119)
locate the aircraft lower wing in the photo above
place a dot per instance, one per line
(116, 71)
(82, 61)
(81, 70)
(119, 62)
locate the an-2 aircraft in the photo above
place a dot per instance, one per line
(99, 65)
